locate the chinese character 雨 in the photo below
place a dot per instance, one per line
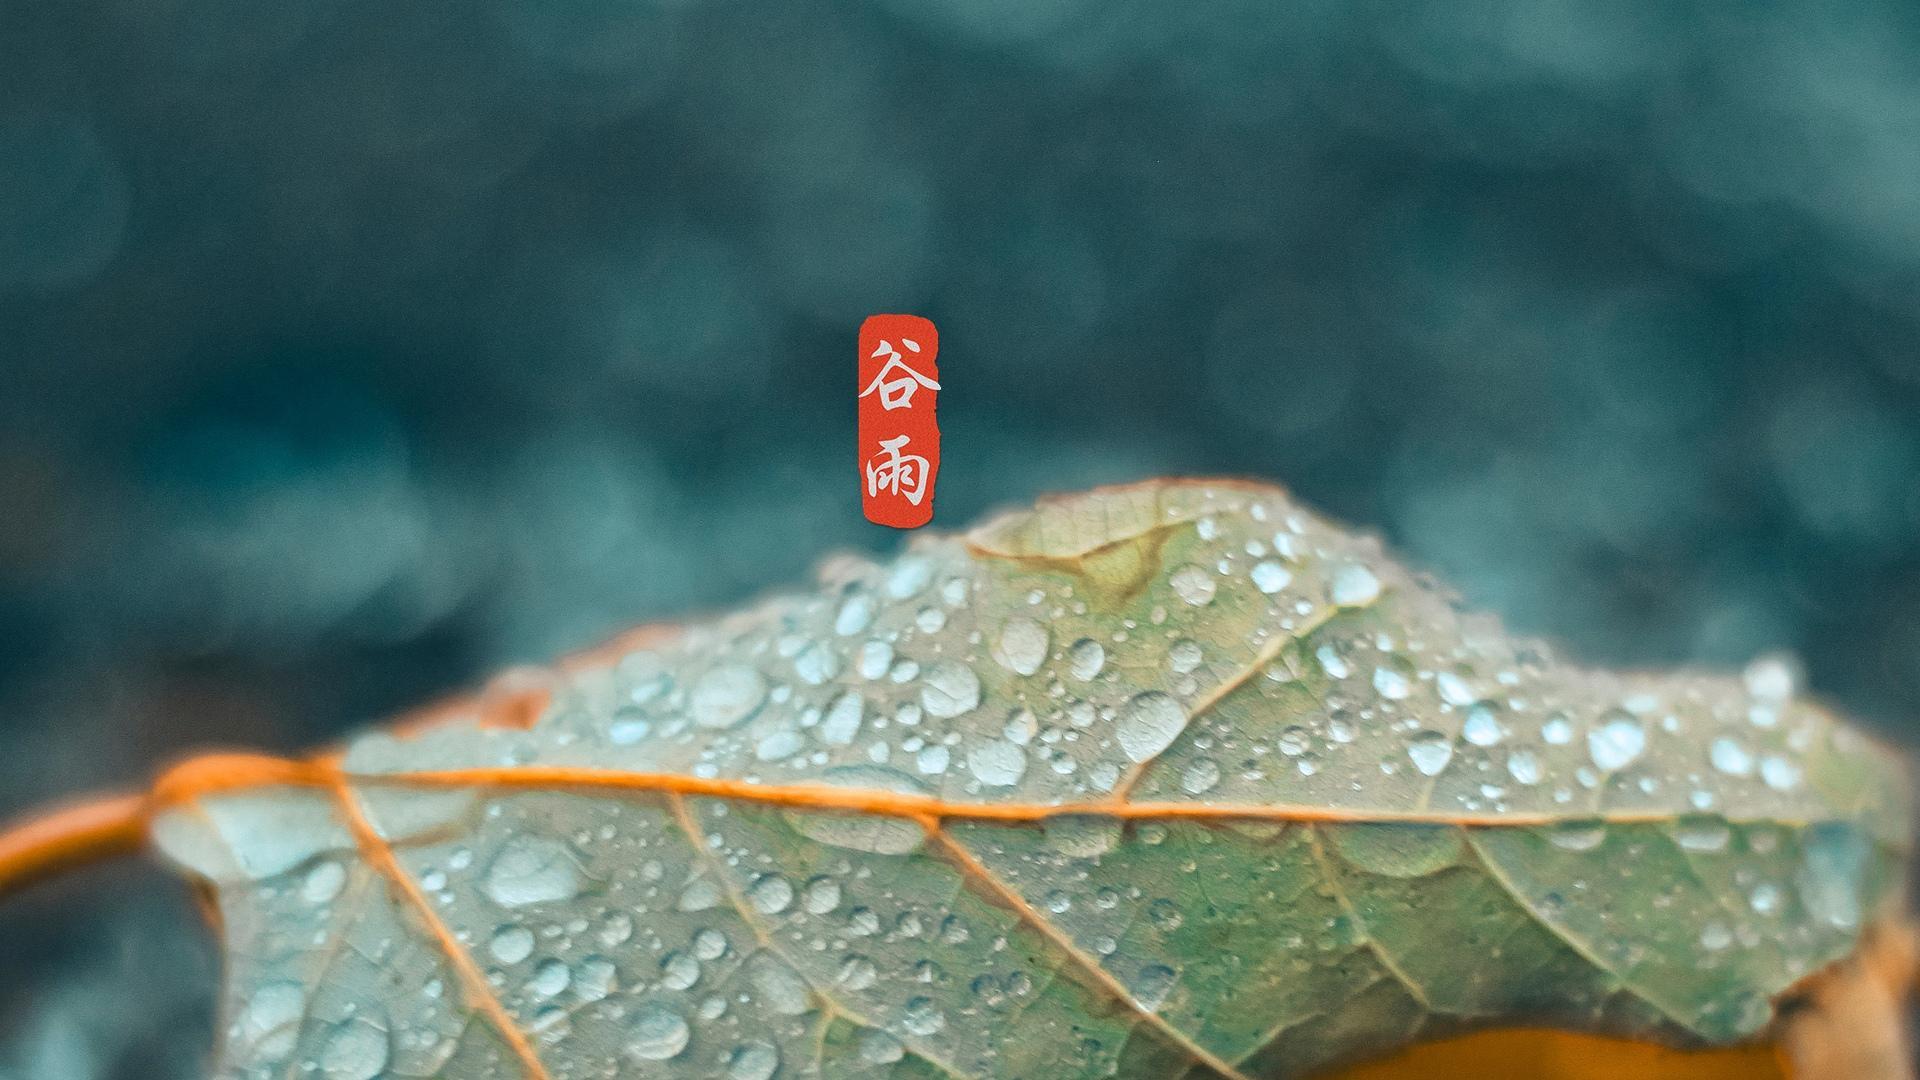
(897, 392)
(901, 474)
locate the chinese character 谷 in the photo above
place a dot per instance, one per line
(897, 392)
(901, 474)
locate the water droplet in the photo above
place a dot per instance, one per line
(323, 882)
(1779, 773)
(1193, 584)
(780, 989)
(863, 832)
(1430, 751)
(1165, 915)
(701, 894)
(678, 970)
(908, 577)
(933, 760)
(1184, 656)
(511, 944)
(950, 689)
(356, 1050)
(855, 615)
(1765, 899)
(531, 870)
(1771, 678)
(270, 1023)
(821, 895)
(778, 746)
(857, 972)
(1294, 740)
(1082, 836)
(709, 944)
(841, 723)
(1270, 577)
(657, 1033)
(629, 727)
(879, 1048)
(1730, 757)
(1524, 767)
(1085, 658)
(594, 979)
(1021, 727)
(1702, 833)
(1200, 777)
(727, 695)
(1148, 724)
(1715, 936)
(1557, 730)
(1454, 689)
(1355, 586)
(1481, 727)
(1577, 835)
(1023, 645)
(923, 1016)
(1390, 684)
(1617, 742)
(753, 1061)
(550, 979)
(770, 894)
(1332, 662)
(1151, 987)
(997, 763)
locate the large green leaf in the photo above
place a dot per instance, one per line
(1167, 780)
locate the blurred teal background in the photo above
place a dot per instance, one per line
(350, 350)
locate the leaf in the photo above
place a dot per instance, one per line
(1170, 780)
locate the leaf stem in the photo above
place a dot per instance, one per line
(65, 838)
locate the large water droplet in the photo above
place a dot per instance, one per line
(1617, 742)
(511, 944)
(855, 614)
(1730, 757)
(858, 831)
(997, 763)
(779, 988)
(770, 894)
(842, 720)
(356, 1050)
(923, 1016)
(1151, 987)
(323, 882)
(1524, 767)
(950, 689)
(1430, 751)
(727, 695)
(821, 895)
(270, 1023)
(1779, 773)
(879, 1048)
(1482, 728)
(1270, 577)
(1148, 724)
(1023, 645)
(1085, 659)
(531, 870)
(1200, 777)
(753, 1061)
(1355, 586)
(679, 971)
(657, 1033)
(1194, 585)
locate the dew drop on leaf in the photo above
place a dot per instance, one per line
(531, 870)
(1192, 584)
(1148, 724)
(657, 1033)
(1430, 751)
(356, 1050)
(1730, 757)
(1355, 586)
(1618, 742)
(863, 832)
(753, 1061)
(997, 763)
(951, 688)
(727, 695)
(1085, 659)
(1151, 987)
(1023, 645)
(1270, 577)
(511, 944)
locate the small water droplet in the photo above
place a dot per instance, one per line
(821, 895)
(323, 882)
(1779, 773)
(1184, 656)
(356, 1050)
(550, 979)
(855, 614)
(1557, 730)
(1193, 584)
(857, 972)
(709, 944)
(1715, 936)
(1524, 767)
(841, 722)
(679, 970)
(1577, 835)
